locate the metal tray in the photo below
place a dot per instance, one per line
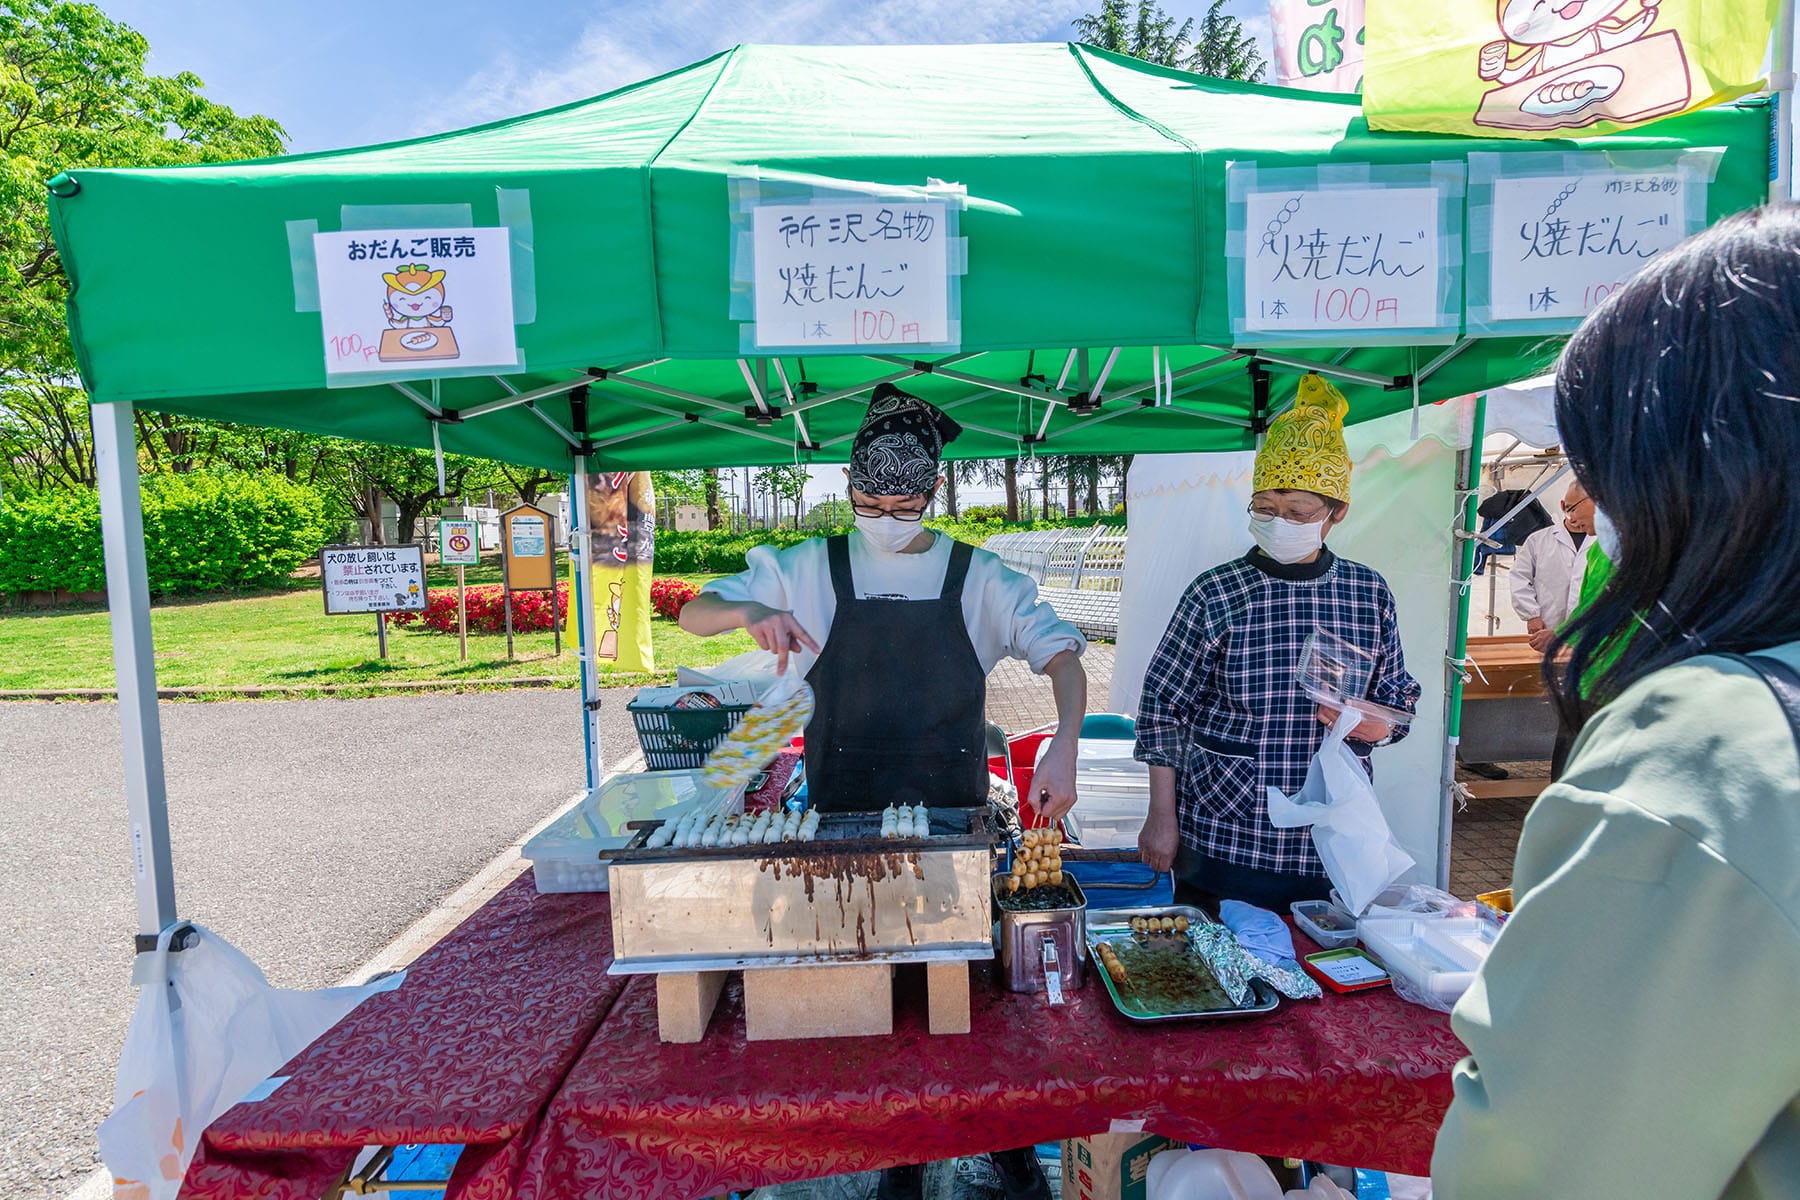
(1114, 925)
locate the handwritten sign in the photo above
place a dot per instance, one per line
(1563, 243)
(415, 301)
(1341, 261)
(373, 579)
(863, 273)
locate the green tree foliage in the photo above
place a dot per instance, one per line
(203, 532)
(74, 93)
(1143, 30)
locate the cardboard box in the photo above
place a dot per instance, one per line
(1109, 1166)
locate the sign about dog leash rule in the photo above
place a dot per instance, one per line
(373, 579)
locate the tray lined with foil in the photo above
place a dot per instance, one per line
(1168, 975)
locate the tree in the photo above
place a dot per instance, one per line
(407, 477)
(524, 482)
(74, 93)
(710, 489)
(1224, 50)
(46, 441)
(1145, 31)
(782, 483)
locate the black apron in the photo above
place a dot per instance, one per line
(901, 714)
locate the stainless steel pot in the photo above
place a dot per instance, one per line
(1046, 950)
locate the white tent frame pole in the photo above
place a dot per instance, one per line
(134, 663)
(586, 635)
(1781, 81)
(515, 397)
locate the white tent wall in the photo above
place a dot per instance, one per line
(1186, 515)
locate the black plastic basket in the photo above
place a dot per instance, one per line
(676, 739)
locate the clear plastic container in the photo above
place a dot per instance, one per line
(1435, 957)
(1325, 923)
(1338, 674)
(566, 857)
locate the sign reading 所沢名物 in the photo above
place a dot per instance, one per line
(373, 579)
(415, 301)
(851, 273)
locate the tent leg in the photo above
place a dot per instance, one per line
(128, 599)
(581, 601)
(1459, 637)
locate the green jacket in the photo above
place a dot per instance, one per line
(1636, 1030)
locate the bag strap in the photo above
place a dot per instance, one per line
(1781, 679)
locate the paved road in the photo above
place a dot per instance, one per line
(307, 832)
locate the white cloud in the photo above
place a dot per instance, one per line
(642, 40)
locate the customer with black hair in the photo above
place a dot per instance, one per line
(1634, 1031)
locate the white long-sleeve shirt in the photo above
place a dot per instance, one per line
(1546, 575)
(1001, 608)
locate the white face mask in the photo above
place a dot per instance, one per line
(1606, 534)
(888, 534)
(1287, 541)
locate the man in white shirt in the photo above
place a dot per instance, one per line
(1546, 573)
(896, 627)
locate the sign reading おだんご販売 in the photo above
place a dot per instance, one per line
(417, 302)
(373, 579)
(851, 273)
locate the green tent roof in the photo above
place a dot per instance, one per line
(1096, 222)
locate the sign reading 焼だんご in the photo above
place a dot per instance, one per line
(416, 302)
(817, 270)
(1552, 235)
(1345, 254)
(1543, 69)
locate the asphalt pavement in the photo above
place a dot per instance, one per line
(309, 833)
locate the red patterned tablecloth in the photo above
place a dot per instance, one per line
(469, 1050)
(1361, 1080)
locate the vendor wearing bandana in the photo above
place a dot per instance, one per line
(1222, 718)
(913, 621)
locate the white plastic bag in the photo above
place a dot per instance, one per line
(1348, 828)
(1210, 1175)
(207, 1029)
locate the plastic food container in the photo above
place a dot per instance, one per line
(1325, 923)
(566, 857)
(1437, 956)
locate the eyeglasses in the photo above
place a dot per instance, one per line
(1569, 508)
(898, 514)
(1311, 518)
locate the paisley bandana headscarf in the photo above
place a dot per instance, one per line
(897, 449)
(1304, 450)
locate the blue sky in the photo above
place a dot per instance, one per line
(352, 72)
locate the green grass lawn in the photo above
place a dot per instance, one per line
(285, 639)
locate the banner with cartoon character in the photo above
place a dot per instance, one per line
(417, 302)
(1557, 68)
(621, 520)
(1318, 44)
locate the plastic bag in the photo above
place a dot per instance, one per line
(779, 716)
(1348, 828)
(1415, 900)
(207, 1029)
(1209, 1175)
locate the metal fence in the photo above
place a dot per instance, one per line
(1079, 571)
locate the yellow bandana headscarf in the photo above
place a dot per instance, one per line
(1304, 448)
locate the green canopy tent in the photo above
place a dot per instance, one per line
(1095, 220)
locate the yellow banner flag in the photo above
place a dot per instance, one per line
(622, 534)
(1557, 68)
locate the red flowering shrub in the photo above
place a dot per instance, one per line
(487, 610)
(668, 596)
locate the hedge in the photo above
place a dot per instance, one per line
(722, 551)
(202, 533)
